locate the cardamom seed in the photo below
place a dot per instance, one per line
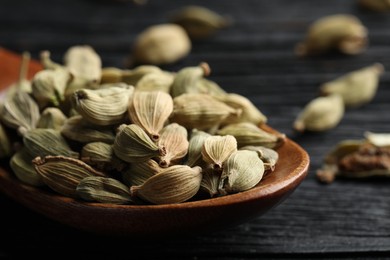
(174, 138)
(23, 169)
(51, 117)
(216, 149)
(195, 146)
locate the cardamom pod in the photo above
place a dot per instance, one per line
(83, 62)
(132, 144)
(269, 156)
(174, 138)
(357, 87)
(5, 143)
(175, 184)
(76, 129)
(155, 81)
(105, 106)
(150, 110)
(210, 183)
(47, 62)
(132, 76)
(242, 171)
(101, 156)
(139, 172)
(320, 114)
(103, 190)
(161, 44)
(42, 142)
(186, 80)
(195, 146)
(52, 117)
(210, 87)
(200, 111)
(111, 75)
(375, 5)
(250, 134)
(216, 149)
(377, 139)
(23, 169)
(63, 174)
(200, 22)
(344, 33)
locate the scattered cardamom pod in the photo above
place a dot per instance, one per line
(175, 184)
(200, 111)
(375, 5)
(23, 169)
(155, 81)
(132, 144)
(83, 62)
(150, 110)
(344, 33)
(357, 87)
(51, 117)
(161, 44)
(174, 138)
(101, 156)
(5, 143)
(139, 172)
(242, 171)
(250, 134)
(216, 149)
(63, 174)
(42, 142)
(103, 190)
(195, 147)
(104, 106)
(269, 156)
(200, 22)
(320, 114)
(186, 80)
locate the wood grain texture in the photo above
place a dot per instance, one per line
(254, 57)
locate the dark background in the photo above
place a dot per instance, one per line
(254, 57)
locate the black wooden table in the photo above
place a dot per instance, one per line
(253, 57)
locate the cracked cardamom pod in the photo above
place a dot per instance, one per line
(83, 62)
(341, 32)
(42, 142)
(174, 138)
(23, 169)
(52, 117)
(104, 106)
(375, 5)
(250, 134)
(200, 22)
(155, 81)
(76, 129)
(320, 114)
(101, 156)
(5, 144)
(150, 110)
(132, 144)
(63, 174)
(175, 184)
(357, 87)
(139, 172)
(216, 149)
(269, 156)
(250, 113)
(195, 146)
(186, 80)
(242, 171)
(200, 111)
(103, 190)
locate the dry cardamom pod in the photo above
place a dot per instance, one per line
(150, 110)
(186, 80)
(76, 129)
(357, 87)
(320, 114)
(250, 134)
(103, 190)
(51, 117)
(375, 5)
(5, 144)
(242, 171)
(200, 111)
(341, 32)
(101, 156)
(132, 76)
(210, 87)
(132, 144)
(139, 172)
(23, 169)
(269, 156)
(47, 62)
(83, 62)
(210, 182)
(105, 106)
(250, 113)
(63, 174)
(161, 44)
(174, 138)
(200, 22)
(48, 86)
(195, 146)
(42, 142)
(216, 149)
(156, 81)
(175, 184)
(111, 75)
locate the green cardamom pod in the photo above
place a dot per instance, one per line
(210, 183)
(139, 172)
(22, 167)
(103, 190)
(216, 149)
(51, 117)
(156, 81)
(101, 156)
(111, 75)
(210, 87)
(195, 146)
(132, 76)
(269, 156)
(174, 138)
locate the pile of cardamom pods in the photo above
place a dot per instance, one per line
(132, 136)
